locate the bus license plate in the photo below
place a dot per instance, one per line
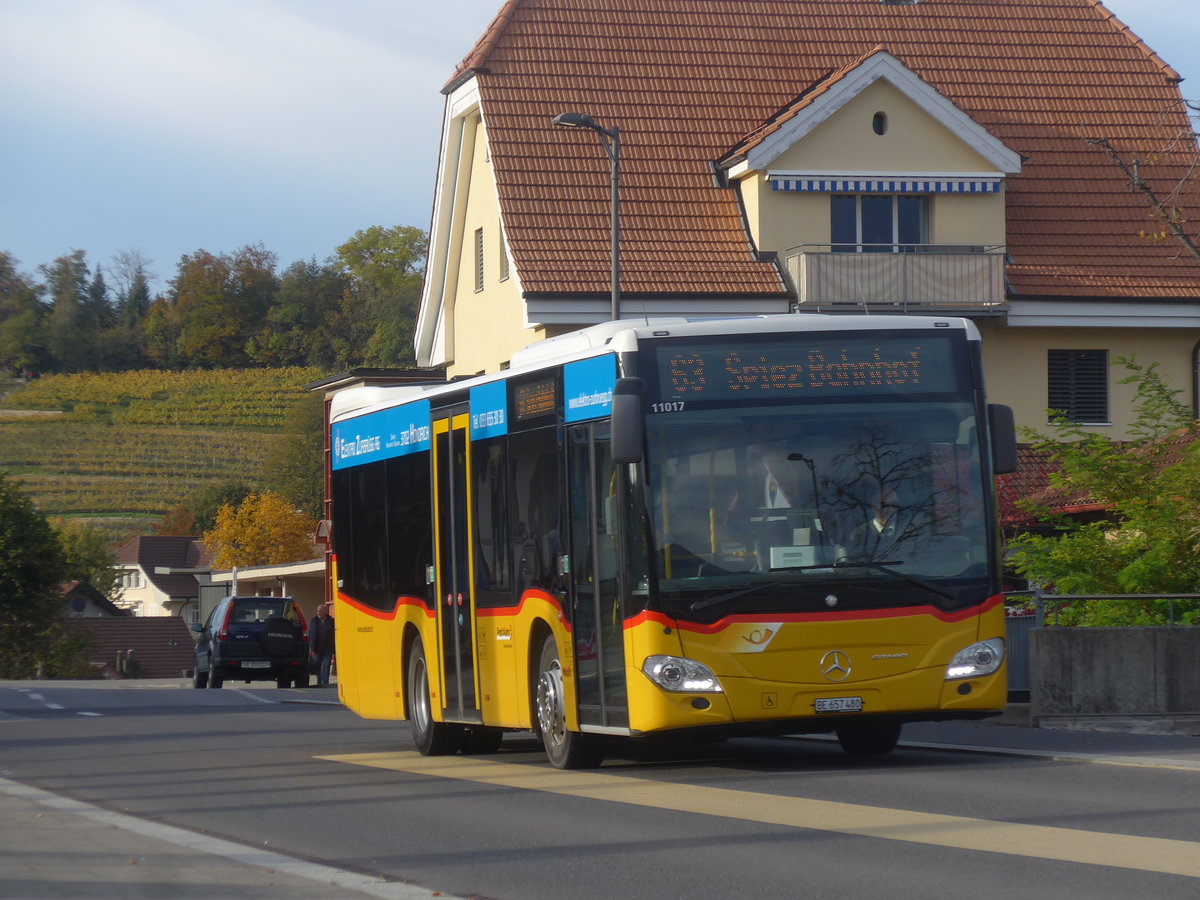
(256, 664)
(839, 704)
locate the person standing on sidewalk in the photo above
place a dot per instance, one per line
(320, 642)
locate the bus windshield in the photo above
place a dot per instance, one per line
(750, 502)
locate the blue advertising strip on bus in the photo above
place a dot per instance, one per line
(381, 435)
(489, 410)
(588, 388)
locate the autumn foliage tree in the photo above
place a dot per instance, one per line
(264, 529)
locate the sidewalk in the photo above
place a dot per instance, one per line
(55, 847)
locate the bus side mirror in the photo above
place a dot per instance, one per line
(628, 424)
(1004, 438)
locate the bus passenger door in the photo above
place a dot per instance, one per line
(595, 578)
(456, 607)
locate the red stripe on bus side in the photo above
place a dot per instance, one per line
(496, 611)
(418, 603)
(385, 615)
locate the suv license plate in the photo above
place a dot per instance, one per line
(256, 664)
(839, 704)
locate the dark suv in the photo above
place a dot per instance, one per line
(252, 639)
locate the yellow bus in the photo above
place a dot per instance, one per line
(776, 524)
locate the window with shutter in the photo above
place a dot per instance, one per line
(1078, 385)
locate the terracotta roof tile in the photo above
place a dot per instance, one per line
(161, 645)
(689, 81)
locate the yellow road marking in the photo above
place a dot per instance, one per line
(1146, 854)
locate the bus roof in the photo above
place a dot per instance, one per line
(625, 335)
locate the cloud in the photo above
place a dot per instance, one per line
(249, 80)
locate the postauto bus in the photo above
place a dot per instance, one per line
(766, 525)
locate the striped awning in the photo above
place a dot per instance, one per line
(840, 185)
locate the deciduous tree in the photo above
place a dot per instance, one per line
(1149, 540)
(266, 529)
(295, 458)
(32, 568)
(386, 265)
(219, 301)
(1172, 201)
(302, 325)
(88, 555)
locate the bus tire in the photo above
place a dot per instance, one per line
(478, 740)
(869, 738)
(432, 738)
(565, 749)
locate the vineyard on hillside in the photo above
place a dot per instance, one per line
(132, 445)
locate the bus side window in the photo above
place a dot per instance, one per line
(537, 509)
(491, 511)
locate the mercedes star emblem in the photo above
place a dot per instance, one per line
(835, 665)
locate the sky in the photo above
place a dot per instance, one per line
(164, 127)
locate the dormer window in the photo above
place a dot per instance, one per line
(878, 223)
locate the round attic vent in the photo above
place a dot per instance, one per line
(879, 123)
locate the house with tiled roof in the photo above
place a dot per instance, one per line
(138, 647)
(158, 575)
(940, 157)
(85, 602)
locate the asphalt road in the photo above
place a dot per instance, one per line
(309, 796)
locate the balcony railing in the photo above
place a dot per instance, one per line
(897, 278)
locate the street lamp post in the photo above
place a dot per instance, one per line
(610, 138)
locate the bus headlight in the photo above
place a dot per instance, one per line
(681, 675)
(979, 659)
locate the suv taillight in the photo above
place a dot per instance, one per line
(223, 634)
(303, 623)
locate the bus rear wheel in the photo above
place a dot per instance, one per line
(869, 738)
(565, 749)
(432, 738)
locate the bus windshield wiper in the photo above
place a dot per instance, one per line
(886, 567)
(733, 595)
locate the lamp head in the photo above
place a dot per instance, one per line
(574, 120)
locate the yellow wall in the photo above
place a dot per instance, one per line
(914, 142)
(487, 325)
(1015, 366)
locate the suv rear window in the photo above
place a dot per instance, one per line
(248, 611)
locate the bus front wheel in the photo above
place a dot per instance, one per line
(565, 749)
(432, 738)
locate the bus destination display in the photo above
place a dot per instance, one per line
(536, 399)
(775, 369)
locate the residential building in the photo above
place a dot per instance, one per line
(150, 578)
(85, 602)
(944, 157)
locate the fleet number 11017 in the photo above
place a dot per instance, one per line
(668, 406)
